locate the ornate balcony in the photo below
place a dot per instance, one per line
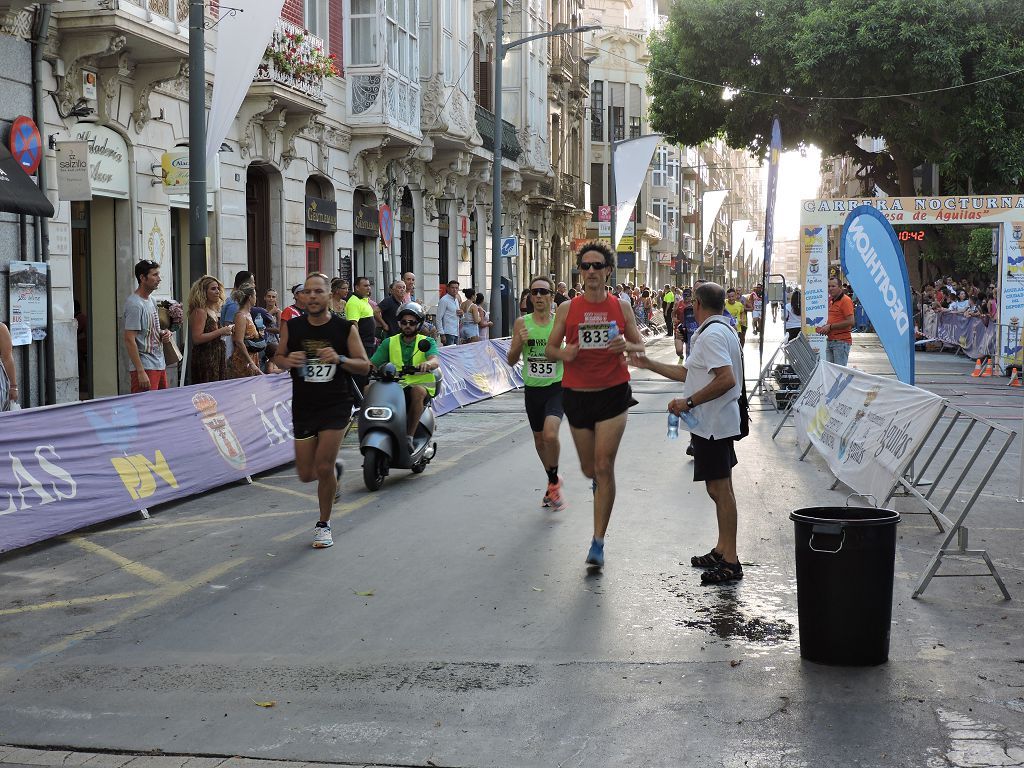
(580, 86)
(293, 69)
(153, 30)
(570, 191)
(510, 147)
(564, 62)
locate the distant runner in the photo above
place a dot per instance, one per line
(543, 384)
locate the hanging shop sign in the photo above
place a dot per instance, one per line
(109, 169)
(364, 221)
(174, 170)
(73, 171)
(321, 214)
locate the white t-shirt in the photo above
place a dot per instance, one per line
(714, 346)
(959, 306)
(447, 315)
(793, 320)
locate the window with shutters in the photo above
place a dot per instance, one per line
(597, 196)
(617, 122)
(483, 70)
(634, 127)
(597, 111)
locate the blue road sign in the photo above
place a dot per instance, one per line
(509, 247)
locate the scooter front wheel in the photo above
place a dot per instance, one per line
(375, 468)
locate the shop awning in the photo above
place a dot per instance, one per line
(18, 193)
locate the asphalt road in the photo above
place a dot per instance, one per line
(454, 623)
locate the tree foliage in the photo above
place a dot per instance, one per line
(791, 50)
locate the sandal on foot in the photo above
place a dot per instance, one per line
(710, 560)
(722, 573)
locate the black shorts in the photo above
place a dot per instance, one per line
(713, 459)
(585, 409)
(311, 423)
(542, 402)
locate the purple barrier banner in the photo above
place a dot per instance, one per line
(71, 466)
(971, 334)
(474, 372)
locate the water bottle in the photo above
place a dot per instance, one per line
(690, 420)
(673, 426)
(613, 330)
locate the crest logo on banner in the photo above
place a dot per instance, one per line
(220, 430)
(873, 262)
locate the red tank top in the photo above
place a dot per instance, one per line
(594, 367)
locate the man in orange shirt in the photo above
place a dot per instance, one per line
(840, 321)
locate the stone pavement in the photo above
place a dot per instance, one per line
(453, 623)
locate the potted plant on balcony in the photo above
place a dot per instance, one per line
(292, 55)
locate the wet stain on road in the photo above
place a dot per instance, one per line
(757, 611)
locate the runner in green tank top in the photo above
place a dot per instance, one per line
(543, 380)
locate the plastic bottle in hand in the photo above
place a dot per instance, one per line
(673, 426)
(689, 420)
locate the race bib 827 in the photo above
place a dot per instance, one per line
(319, 373)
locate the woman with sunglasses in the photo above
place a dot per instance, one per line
(543, 384)
(598, 329)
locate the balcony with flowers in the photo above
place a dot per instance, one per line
(294, 68)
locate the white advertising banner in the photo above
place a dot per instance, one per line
(866, 427)
(631, 160)
(1011, 291)
(739, 229)
(814, 244)
(712, 202)
(242, 39)
(73, 171)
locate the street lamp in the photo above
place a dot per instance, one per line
(500, 49)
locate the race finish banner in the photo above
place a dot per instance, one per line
(873, 263)
(71, 466)
(866, 427)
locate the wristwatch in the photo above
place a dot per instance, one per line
(341, 359)
(690, 404)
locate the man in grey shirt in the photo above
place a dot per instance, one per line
(143, 339)
(448, 314)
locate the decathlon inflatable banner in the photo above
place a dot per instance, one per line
(873, 263)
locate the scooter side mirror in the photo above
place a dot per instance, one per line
(389, 371)
(424, 345)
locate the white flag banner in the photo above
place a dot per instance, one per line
(631, 160)
(242, 40)
(866, 427)
(712, 202)
(739, 229)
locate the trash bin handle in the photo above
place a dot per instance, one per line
(830, 530)
(863, 496)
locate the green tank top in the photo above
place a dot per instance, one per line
(538, 371)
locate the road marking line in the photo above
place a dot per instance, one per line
(289, 491)
(71, 602)
(133, 567)
(159, 599)
(155, 524)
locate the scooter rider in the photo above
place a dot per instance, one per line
(402, 350)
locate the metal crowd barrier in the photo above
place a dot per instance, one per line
(966, 437)
(804, 360)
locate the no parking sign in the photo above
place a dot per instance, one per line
(26, 144)
(387, 225)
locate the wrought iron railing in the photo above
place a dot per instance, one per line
(290, 58)
(174, 10)
(569, 190)
(510, 146)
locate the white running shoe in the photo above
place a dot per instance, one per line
(322, 537)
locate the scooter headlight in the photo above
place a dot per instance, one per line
(377, 413)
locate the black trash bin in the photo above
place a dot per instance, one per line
(844, 570)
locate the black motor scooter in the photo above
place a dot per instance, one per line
(382, 427)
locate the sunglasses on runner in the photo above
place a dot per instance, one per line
(592, 265)
(539, 291)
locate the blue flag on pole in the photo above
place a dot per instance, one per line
(873, 262)
(773, 184)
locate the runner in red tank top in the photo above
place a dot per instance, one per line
(598, 330)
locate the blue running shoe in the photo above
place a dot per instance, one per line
(596, 554)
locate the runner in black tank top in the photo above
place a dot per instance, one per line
(322, 351)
